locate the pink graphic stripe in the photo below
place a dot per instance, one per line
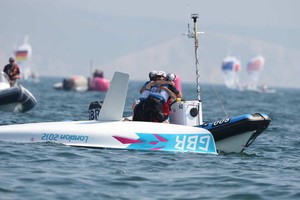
(161, 139)
(153, 142)
(157, 148)
(127, 140)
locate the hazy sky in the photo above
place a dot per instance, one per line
(116, 28)
(254, 13)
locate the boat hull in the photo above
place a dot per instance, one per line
(16, 99)
(116, 135)
(235, 134)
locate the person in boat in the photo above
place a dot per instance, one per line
(98, 73)
(145, 93)
(138, 108)
(160, 90)
(13, 71)
(167, 106)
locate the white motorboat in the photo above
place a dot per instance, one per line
(111, 131)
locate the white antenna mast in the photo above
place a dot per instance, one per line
(194, 34)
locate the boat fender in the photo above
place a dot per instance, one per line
(94, 109)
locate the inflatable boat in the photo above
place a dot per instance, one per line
(76, 83)
(16, 98)
(107, 128)
(80, 83)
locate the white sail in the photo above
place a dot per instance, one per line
(230, 71)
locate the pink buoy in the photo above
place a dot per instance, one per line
(99, 84)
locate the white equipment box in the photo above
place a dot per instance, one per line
(187, 113)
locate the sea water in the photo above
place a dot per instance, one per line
(268, 169)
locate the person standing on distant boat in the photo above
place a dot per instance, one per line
(98, 73)
(13, 71)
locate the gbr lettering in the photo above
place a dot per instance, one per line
(192, 143)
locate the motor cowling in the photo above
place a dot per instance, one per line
(94, 109)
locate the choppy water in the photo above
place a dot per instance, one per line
(268, 169)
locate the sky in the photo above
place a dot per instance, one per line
(255, 13)
(258, 13)
(74, 36)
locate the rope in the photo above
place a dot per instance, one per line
(223, 108)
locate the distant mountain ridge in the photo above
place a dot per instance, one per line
(176, 55)
(66, 40)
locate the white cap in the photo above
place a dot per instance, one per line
(161, 73)
(152, 74)
(171, 77)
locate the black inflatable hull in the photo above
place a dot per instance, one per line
(235, 134)
(17, 99)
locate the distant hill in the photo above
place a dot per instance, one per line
(66, 39)
(177, 55)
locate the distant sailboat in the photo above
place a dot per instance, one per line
(254, 69)
(23, 56)
(231, 68)
(230, 71)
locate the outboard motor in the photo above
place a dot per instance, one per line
(94, 110)
(68, 84)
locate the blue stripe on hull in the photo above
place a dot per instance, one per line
(199, 143)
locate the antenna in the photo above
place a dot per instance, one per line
(194, 34)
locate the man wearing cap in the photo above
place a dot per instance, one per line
(138, 109)
(155, 94)
(160, 92)
(12, 70)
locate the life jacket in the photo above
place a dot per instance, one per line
(166, 107)
(159, 93)
(11, 70)
(145, 93)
